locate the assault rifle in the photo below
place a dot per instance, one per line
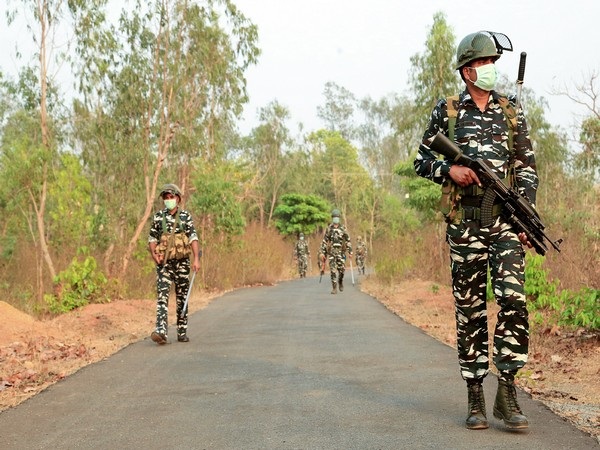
(515, 208)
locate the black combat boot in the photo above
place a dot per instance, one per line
(334, 288)
(507, 408)
(477, 419)
(341, 279)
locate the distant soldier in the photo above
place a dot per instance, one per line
(334, 246)
(301, 255)
(171, 242)
(361, 255)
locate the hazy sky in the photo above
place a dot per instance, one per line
(365, 46)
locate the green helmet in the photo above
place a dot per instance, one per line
(170, 188)
(335, 213)
(475, 46)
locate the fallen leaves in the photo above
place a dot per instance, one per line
(26, 364)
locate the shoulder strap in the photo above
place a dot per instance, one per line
(507, 108)
(452, 109)
(511, 119)
(177, 223)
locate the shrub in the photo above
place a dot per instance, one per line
(78, 285)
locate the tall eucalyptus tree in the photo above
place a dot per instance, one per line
(268, 152)
(39, 106)
(157, 91)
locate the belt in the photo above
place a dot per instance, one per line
(473, 191)
(469, 200)
(474, 212)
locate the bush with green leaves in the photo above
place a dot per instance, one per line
(581, 308)
(78, 285)
(567, 308)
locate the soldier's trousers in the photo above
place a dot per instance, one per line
(337, 267)
(176, 272)
(472, 251)
(302, 265)
(360, 262)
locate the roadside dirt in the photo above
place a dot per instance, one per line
(563, 371)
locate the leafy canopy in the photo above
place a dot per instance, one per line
(301, 214)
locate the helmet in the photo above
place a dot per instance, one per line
(475, 46)
(335, 213)
(301, 235)
(170, 188)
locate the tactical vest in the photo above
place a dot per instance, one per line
(176, 244)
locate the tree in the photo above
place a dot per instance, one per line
(170, 87)
(301, 214)
(36, 85)
(267, 152)
(433, 75)
(386, 136)
(335, 161)
(338, 110)
(588, 161)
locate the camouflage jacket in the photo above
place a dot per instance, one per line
(301, 248)
(335, 240)
(361, 249)
(481, 135)
(185, 222)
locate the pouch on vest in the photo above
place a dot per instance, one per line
(174, 245)
(450, 201)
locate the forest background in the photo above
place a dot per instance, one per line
(157, 96)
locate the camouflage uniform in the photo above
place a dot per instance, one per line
(361, 255)
(176, 271)
(301, 253)
(334, 246)
(473, 248)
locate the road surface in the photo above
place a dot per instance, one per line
(280, 367)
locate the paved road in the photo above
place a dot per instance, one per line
(283, 367)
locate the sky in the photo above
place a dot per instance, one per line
(365, 46)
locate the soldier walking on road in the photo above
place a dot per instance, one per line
(484, 124)
(334, 246)
(361, 255)
(172, 238)
(301, 255)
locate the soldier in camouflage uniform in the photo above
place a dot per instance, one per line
(361, 255)
(334, 246)
(482, 130)
(301, 255)
(172, 236)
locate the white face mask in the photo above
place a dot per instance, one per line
(336, 220)
(487, 75)
(170, 203)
